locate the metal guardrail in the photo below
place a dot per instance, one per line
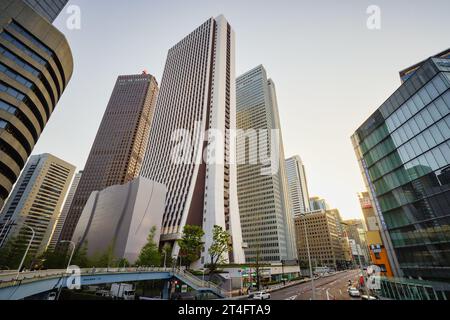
(201, 283)
(10, 279)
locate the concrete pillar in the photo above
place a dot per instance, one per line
(166, 291)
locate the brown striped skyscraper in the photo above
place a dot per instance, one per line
(120, 144)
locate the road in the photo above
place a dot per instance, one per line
(335, 285)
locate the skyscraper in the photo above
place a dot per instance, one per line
(264, 203)
(356, 231)
(49, 9)
(197, 95)
(405, 74)
(36, 65)
(403, 151)
(324, 239)
(368, 212)
(117, 153)
(298, 186)
(377, 250)
(317, 203)
(36, 201)
(62, 217)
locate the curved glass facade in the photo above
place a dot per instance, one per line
(33, 75)
(404, 152)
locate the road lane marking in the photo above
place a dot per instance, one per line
(292, 298)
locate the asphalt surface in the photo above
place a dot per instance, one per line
(335, 285)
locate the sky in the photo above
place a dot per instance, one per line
(331, 71)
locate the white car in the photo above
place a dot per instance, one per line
(366, 297)
(51, 296)
(260, 295)
(353, 292)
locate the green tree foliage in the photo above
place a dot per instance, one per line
(123, 263)
(52, 260)
(219, 248)
(12, 252)
(150, 255)
(104, 259)
(304, 264)
(80, 257)
(191, 244)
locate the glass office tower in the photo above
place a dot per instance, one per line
(264, 203)
(404, 154)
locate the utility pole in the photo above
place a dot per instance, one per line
(26, 251)
(68, 264)
(313, 288)
(362, 271)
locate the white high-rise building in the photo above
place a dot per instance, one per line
(36, 201)
(298, 186)
(197, 94)
(65, 211)
(264, 203)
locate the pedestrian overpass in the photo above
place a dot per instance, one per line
(27, 284)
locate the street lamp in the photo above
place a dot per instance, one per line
(309, 259)
(165, 257)
(73, 250)
(362, 271)
(26, 251)
(203, 277)
(68, 264)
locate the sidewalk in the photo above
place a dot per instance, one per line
(280, 286)
(275, 287)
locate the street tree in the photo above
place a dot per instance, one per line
(80, 257)
(220, 246)
(150, 255)
(51, 260)
(12, 252)
(191, 244)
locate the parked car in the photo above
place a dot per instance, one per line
(260, 295)
(103, 293)
(353, 292)
(366, 297)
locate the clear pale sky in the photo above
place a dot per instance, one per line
(331, 72)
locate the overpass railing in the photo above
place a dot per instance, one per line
(12, 279)
(9, 279)
(201, 283)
